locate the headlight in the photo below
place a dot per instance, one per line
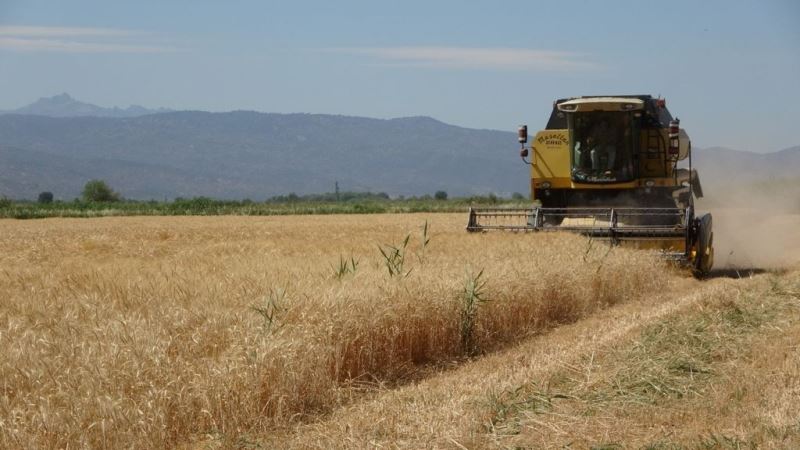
(545, 185)
(650, 183)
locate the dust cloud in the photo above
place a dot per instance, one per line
(756, 226)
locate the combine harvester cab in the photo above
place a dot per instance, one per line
(607, 167)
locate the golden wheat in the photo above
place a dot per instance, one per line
(155, 332)
(616, 379)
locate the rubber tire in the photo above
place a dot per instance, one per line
(705, 246)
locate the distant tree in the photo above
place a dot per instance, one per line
(45, 197)
(517, 196)
(440, 195)
(99, 191)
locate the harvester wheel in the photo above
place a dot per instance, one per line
(704, 258)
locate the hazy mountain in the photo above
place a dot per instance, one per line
(65, 106)
(257, 155)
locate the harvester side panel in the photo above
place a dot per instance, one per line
(551, 158)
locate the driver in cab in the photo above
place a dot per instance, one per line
(601, 144)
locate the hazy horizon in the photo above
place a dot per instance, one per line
(154, 109)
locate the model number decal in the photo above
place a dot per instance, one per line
(552, 139)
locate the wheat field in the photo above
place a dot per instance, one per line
(164, 332)
(701, 365)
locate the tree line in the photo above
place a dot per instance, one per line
(93, 191)
(99, 191)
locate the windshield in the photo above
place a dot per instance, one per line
(603, 146)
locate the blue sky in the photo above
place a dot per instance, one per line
(729, 69)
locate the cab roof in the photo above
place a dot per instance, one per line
(601, 104)
(654, 116)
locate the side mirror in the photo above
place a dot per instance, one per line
(522, 134)
(522, 137)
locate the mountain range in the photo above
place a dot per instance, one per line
(64, 105)
(245, 154)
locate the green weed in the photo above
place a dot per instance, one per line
(473, 298)
(270, 309)
(425, 241)
(345, 267)
(395, 258)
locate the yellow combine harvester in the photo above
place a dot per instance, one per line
(607, 167)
